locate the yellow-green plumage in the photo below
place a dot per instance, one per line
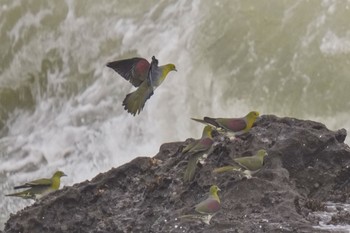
(39, 188)
(228, 168)
(196, 151)
(211, 205)
(252, 163)
(206, 209)
(147, 77)
(249, 165)
(135, 101)
(191, 167)
(235, 125)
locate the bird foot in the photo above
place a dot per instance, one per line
(247, 174)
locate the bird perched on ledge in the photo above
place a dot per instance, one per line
(197, 150)
(211, 205)
(249, 165)
(38, 188)
(140, 73)
(237, 126)
(206, 209)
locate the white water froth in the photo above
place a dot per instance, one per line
(89, 132)
(333, 45)
(326, 216)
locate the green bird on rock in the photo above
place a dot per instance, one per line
(39, 188)
(196, 150)
(211, 205)
(140, 73)
(249, 165)
(208, 208)
(236, 125)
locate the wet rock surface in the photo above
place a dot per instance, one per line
(307, 166)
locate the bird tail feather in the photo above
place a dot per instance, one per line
(211, 121)
(191, 168)
(199, 120)
(227, 169)
(23, 194)
(22, 186)
(135, 101)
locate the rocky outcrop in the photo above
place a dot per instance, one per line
(307, 166)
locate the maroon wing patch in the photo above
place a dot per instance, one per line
(135, 70)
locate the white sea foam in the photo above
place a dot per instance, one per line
(325, 217)
(78, 124)
(89, 132)
(333, 45)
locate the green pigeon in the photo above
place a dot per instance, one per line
(251, 164)
(211, 205)
(39, 188)
(206, 209)
(197, 150)
(140, 73)
(236, 125)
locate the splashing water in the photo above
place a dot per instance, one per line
(60, 107)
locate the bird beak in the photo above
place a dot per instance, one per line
(64, 174)
(175, 69)
(219, 189)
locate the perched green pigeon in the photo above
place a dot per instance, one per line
(248, 164)
(140, 73)
(211, 205)
(207, 208)
(236, 125)
(196, 151)
(38, 188)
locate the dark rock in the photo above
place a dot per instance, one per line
(307, 166)
(342, 217)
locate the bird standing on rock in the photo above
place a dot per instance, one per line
(211, 205)
(248, 164)
(197, 150)
(39, 188)
(206, 209)
(236, 125)
(140, 73)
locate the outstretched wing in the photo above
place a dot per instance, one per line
(135, 70)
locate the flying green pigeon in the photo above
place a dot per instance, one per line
(140, 73)
(196, 150)
(207, 208)
(236, 125)
(249, 165)
(38, 188)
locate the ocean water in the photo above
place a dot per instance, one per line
(60, 106)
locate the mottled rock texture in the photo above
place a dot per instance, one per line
(307, 166)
